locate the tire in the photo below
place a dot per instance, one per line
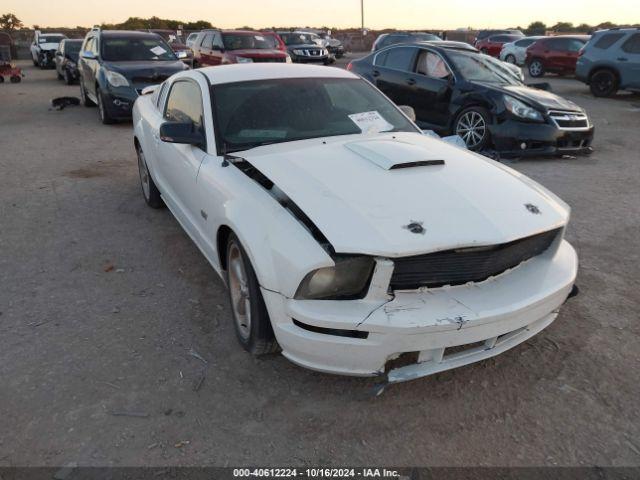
(67, 77)
(1, 79)
(103, 113)
(16, 79)
(60, 77)
(35, 62)
(510, 59)
(603, 83)
(150, 192)
(85, 100)
(536, 68)
(470, 123)
(254, 331)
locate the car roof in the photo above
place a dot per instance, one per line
(268, 71)
(578, 37)
(127, 34)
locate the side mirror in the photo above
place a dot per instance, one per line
(408, 111)
(89, 55)
(181, 132)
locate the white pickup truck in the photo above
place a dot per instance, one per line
(43, 48)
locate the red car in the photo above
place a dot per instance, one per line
(493, 44)
(221, 47)
(555, 54)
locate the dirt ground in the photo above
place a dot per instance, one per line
(117, 346)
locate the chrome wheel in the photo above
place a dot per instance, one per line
(472, 128)
(144, 174)
(239, 290)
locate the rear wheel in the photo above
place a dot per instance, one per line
(603, 83)
(510, 59)
(251, 319)
(472, 125)
(485, 51)
(536, 68)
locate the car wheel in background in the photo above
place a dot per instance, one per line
(150, 192)
(67, 77)
(86, 101)
(251, 319)
(536, 68)
(485, 51)
(16, 79)
(472, 125)
(60, 77)
(603, 83)
(103, 113)
(510, 59)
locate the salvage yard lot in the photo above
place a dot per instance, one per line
(117, 346)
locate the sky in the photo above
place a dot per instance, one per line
(400, 14)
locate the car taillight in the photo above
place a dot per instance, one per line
(349, 66)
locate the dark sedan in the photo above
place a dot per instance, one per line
(461, 92)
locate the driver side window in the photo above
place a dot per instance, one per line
(432, 65)
(184, 104)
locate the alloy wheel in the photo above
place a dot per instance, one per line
(511, 59)
(239, 289)
(144, 174)
(472, 128)
(535, 68)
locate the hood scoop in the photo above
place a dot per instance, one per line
(392, 154)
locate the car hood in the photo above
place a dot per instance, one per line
(48, 46)
(346, 186)
(304, 46)
(538, 98)
(159, 68)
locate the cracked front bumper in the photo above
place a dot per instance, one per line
(443, 328)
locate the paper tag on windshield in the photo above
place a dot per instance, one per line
(371, 122)
(158, 50)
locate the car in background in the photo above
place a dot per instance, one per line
(335, 46)
(493, 45)
(482, 34)
(388, 39)
(177, 44)
(515, 52)
(221, 47)
(554, 55)
(43, 48)
(347, 238)
(303, 49)
(191, 38)
(454, 91)
(66, 60)
(116, 66)
(611, 61)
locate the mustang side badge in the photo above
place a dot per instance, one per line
(532, 208)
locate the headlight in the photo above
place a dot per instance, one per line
(181, 54)
(522, 110)
(116, 79)
(299, 52)
(347, 279)
(244, 60)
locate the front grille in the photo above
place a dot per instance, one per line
(268, 59)
(312, 52)
(460, 266)
(569, 120)
(150, 80)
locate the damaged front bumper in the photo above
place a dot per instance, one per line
(425, 331)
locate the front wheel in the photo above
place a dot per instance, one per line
(84, 98)
(103, 113)
(603, 83)
(250, 315)
(510, 59)
(150, 192)
(472, 125)
(68, 79)
(536, 68)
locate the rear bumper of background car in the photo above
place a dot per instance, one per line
(539, 139)
(429, 330)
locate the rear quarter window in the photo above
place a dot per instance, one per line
(633, 44)
(400, 58)
(608, 39)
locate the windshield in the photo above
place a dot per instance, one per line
(297, 38)
(72, 48)
(233, 41)
(480, 68)
(135, 49)
(254, 113)
(50, 38)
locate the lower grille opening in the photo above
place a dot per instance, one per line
(462, 348)
(332, 331)
(403, 360)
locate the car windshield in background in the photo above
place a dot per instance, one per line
(479, 68)
(425, 37)
(254, 113)
(135, 49)
(297, 39)
(50, 38)
(234, 41)
(72, 48)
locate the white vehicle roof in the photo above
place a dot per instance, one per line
(242, 72)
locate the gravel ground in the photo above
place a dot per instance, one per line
(106, 305)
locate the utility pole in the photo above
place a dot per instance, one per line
(362, 14)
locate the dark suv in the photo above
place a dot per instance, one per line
(611, 61)
(116, 65)
(554, 54)
(222, 47)
(388, 39)
(303, 49)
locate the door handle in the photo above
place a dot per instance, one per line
(411, 81)
(622, 59)
(375, 73)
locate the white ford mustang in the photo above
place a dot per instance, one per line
(346, 237)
